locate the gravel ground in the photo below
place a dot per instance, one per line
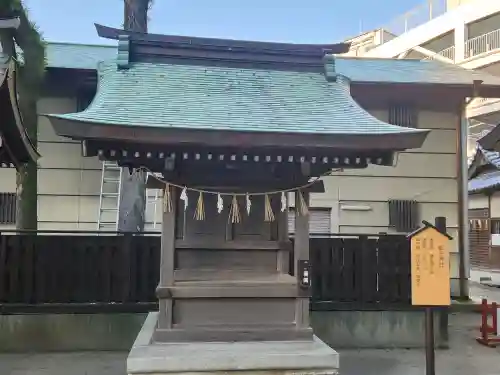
(465, 356)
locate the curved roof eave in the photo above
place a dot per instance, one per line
(167, 97)
(18, 144)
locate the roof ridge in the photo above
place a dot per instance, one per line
(76, 44)
(371, 58)
(493, 157)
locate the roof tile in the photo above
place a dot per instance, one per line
(373, 70)
(82, 56)
(484, 181)
(78, 56)
(222, 98)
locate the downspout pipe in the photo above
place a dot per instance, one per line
(463, 234)
(463, 195)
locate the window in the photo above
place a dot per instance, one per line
(495, 225)
(403, 115)
(319, 220)
(404, 215)
(8, 208)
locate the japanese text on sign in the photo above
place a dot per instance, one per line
(430, 268)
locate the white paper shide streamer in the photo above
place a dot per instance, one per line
(248, 204)
(283, 202)
(220, 204)
(184, 197)
(234, 207)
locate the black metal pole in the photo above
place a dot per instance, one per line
(430, 355)
(430, 351)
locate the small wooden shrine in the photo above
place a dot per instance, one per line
(233, 127)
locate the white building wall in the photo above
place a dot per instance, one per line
(495, 206)
(455, 19)
(478, 201)
(451, 4)
(427, 175)
(69, 185)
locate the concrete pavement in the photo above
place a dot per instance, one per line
(486, 277)
(478, 292)
(465, 357)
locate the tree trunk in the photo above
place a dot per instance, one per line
(135, 16)
(27, 181)
(131, 215)
(132, 210)
(27, 176)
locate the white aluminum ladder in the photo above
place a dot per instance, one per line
(109, 198)
(154, 202)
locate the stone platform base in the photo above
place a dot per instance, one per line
(278, 357)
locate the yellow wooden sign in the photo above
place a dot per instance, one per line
(430, 267)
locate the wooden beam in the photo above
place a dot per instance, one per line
(301, 252)
(239, 290)
(201, 244)
(229, 334)
(255, 186)
(377, 142)
(167, 262)
(283, 256)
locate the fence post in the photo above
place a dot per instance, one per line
(2, 269)
(126, 263)
(443, 313)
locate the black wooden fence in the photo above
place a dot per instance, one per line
(360, 272)
(83, 272)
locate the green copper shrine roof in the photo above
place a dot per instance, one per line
(358, 69)
(78, 56)
(407, 71)
(223, 98)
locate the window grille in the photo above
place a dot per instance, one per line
(8, 208)
(404, 215)
(403, 115)
(319, 220)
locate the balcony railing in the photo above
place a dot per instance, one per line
(417, 16)
(480, 102)
(477, 136)
(482, 44)
(448, 53)
(473, 47)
